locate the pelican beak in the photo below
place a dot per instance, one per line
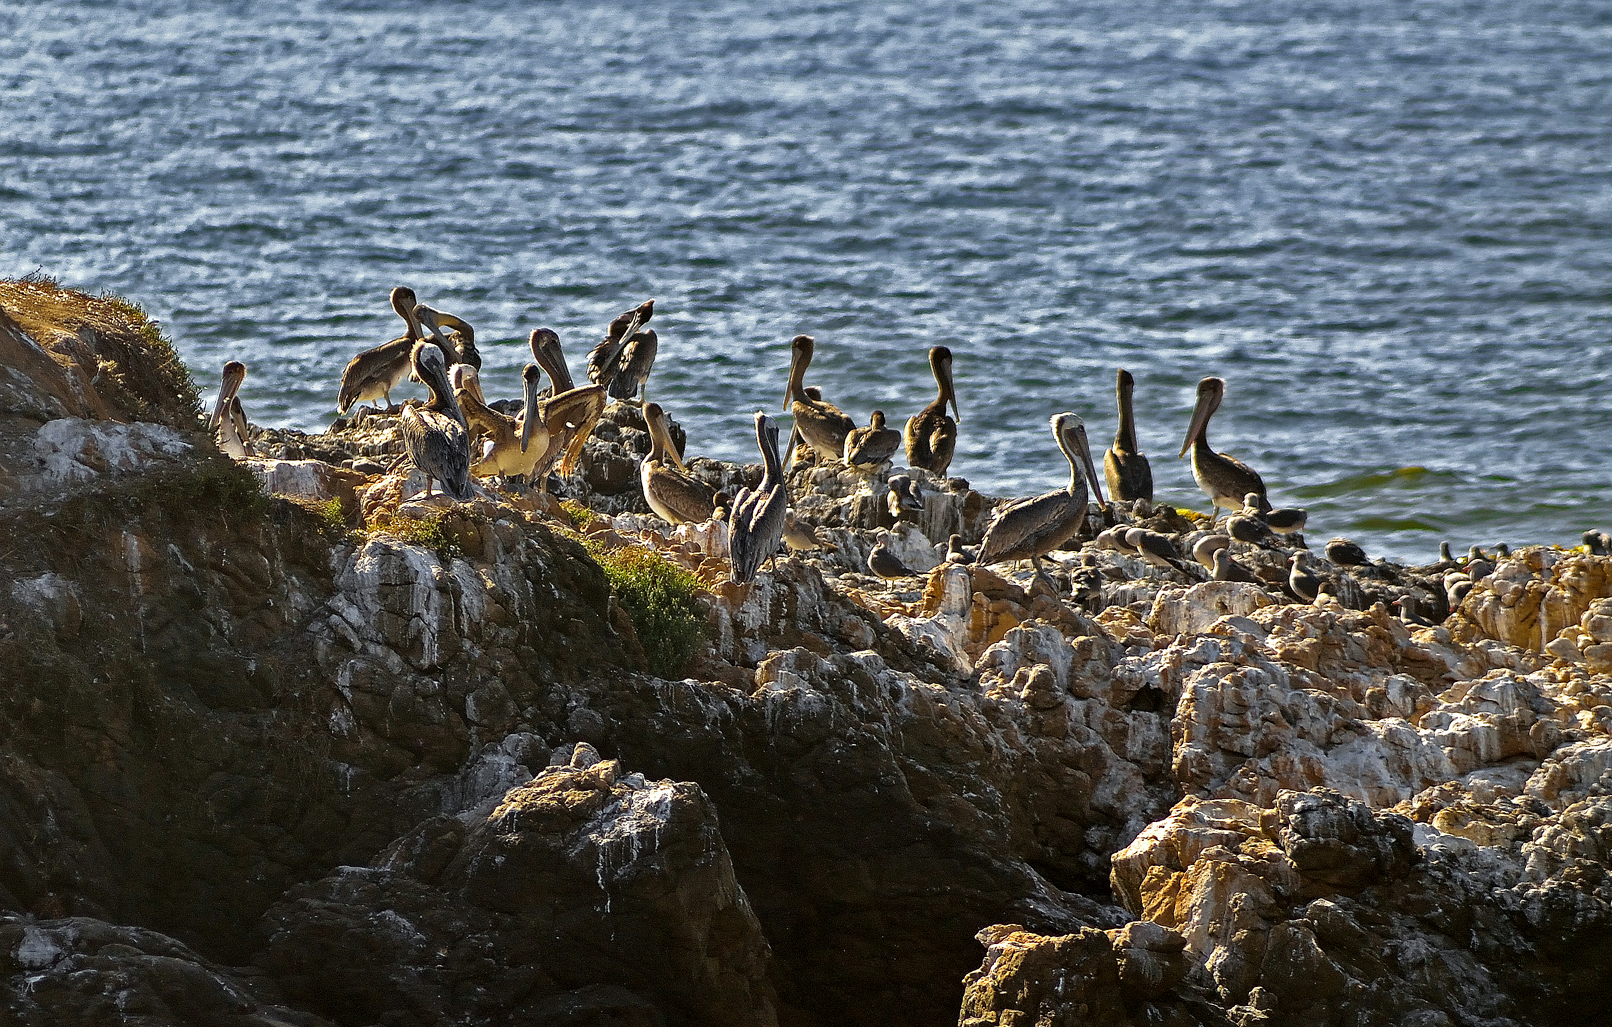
(1091, 470)
(1200, 417)
(529, 416)
(951, 393)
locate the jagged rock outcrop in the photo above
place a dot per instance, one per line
(268, 759)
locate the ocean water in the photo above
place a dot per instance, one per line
(1388, 225)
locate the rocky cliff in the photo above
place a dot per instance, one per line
(278, 746)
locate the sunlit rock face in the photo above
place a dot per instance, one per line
(286, 741)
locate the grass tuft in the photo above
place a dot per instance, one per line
(428, 532)
(661, 598)
(576, 514)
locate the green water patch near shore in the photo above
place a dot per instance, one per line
(1414, 477)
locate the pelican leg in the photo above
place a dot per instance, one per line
(1214, 513)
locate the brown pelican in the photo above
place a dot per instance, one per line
(1226, 480)
(904, 500)
(570, 413)
(1301, 578)
(867, 448)
(1203, 550)
(1345, 553)
(798, 452)
(821, 424)
(545, 343)
(622, 361)
(374, 373)
(1028, 529)
(756, 524)
(460, 347)
(801, 536)
(435, 436)
(669, 489)
(931, 436)
(885, 563)
(228, 419)
(1129, 476)
(479, 417)
(503, 453)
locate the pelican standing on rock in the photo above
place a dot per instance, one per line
(930, 435)
(1129, 476)
(674, 494)
(867, 448)
(822, 425)
(756, 524)
(436, 436)
(228, 419)
(1028, 529)
(621, 362)
(507, 451)
(1225, 479)
(374, 373)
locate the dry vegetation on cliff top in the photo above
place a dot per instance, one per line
(139, 370)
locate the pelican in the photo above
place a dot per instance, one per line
(545, 343)
(570, 413)
(1226, 480)
(374, 373)
(461, 345)
(931, 436)
(479, 417)
(822, 425)
(436, 436)
(885, 563)
(228, 419)
(674, 494)
(621, 362)
(1028, 529)
(756, 524)
(503, 453)
(1129, 476)
(867, 448)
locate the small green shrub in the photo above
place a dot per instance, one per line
(418, 531)
(661, 598)
(576, 514)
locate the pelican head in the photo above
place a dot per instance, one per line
(876, 420)
(541, 339)
(940, 362)
(530, 377)
(1070, 431)
(1210, 392)
(404, 302)
(660, 436)
(234, 375)
(800, 356)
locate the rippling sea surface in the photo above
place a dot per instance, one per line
(1388, 225)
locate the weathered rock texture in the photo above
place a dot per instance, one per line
(265, 759)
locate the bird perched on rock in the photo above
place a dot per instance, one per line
(1227, 569)
(756, 523)
(931, 436)
(228, 418)
(622, 360)
(955, 553)
(1286, 520)
(675, 495)
(1205, 548)
(1250, 527)
(1224, 479)
(885, 563)
(1444, 554)
(1129, 476)
(1598, 542)
(904, 499)
(1155, 548)
(1114, 538)
(1477, 564)
(435, 436)
(1345, 553)
(1302, 579)
(1456, 588)
(1410, 611)
(867, 448)
(1501, 551)
(374, 373)
(802, 537)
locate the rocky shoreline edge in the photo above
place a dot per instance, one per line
(277, 748)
